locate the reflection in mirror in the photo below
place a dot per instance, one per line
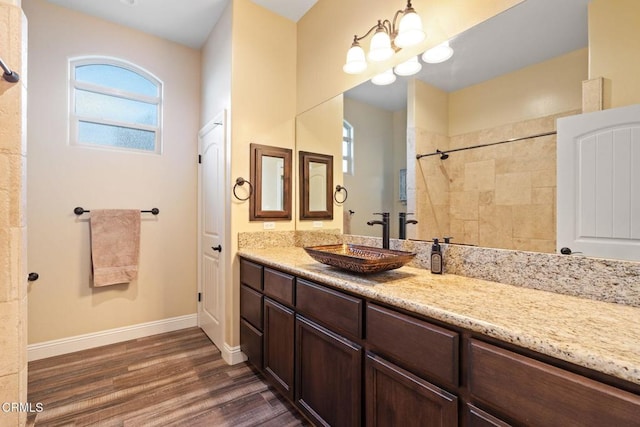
(272, 183)
(271, 175)
(502, 83)
(317, 186)
(316, 178)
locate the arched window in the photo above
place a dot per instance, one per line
(347, 147)
(114, 104)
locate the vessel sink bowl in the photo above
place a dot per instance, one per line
(359, 259)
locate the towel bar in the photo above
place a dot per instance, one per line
(79, 211)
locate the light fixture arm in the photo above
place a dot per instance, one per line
(356, 39)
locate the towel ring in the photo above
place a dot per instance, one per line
(340, 188)
(240, 182)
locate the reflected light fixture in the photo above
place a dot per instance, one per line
(409, 67)
(438, 54)
(384, 78)
(387, 39)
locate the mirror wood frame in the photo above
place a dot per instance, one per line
(256, 213)
(305, 158)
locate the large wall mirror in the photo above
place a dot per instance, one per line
(510, 76)
(271, 177)
(316, 183)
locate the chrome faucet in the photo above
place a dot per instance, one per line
(385, 228)
(402, 224)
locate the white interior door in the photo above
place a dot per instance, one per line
(211, 229)
(599, 183)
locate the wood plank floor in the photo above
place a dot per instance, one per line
(173, 379)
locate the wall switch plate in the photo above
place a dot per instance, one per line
(269, 225)
(317, 224)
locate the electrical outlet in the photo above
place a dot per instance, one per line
(317, 224)
(269, 225)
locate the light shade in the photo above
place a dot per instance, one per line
(385, 78)
(356, 62)
(380, 48)
(437, 54)
(408, 68)
(410, 31)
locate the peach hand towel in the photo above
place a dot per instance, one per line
(115, 245)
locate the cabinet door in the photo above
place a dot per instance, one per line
(279, 331)
(395, 397)
(328, 375)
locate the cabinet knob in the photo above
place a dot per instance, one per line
(32, 277)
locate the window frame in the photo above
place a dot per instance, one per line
(75, 119)
(349, 140)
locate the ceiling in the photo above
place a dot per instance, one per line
(187, 22)
(526, 34)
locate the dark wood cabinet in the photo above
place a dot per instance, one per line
(279, 286)
(396, 397)
(279, 324)
(251, 274)
(345, 360)
(478, 418)
(251, 343)
(251, 306)
(340, 312)
(538, 394)
(421, 347)
(328, 375)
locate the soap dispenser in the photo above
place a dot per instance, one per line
(436, 258)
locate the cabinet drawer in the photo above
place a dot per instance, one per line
(425, 349)
(338, 311)
(538, 394)
(251, 306)
(478, 418)
(251, 343)
(279, 286)
(251, 274)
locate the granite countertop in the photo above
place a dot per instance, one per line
(598, 335)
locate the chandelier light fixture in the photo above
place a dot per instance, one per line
(388, 38)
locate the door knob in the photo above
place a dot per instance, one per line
(217, 248)
(32, 277)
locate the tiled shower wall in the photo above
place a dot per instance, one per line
(501, 196)
(13, 287)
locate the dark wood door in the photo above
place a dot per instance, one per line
(329, 376)
(396, 397)
(279, 324)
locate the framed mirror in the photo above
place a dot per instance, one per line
(271, 177)
(316, 184)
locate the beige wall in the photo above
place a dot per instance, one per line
(254, 77)
(319, 131)
(549, 87)
(63, 303)
(320, 59)
(13, 230)
(614, 37)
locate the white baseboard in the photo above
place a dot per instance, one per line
(232, 355)
(110, 336)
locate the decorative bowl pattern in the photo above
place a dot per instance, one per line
(359, 259)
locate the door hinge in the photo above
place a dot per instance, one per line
(199, 158)
(199, 296)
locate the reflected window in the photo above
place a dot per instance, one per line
(114, 104)
(347, 147)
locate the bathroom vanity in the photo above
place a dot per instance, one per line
(406, 347)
